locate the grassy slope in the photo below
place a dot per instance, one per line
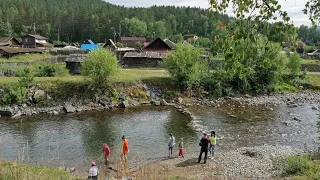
(314, 79)
(310, 61)
(25, 58)
(123, 76)
(13, 171)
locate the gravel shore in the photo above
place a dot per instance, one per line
(261, 162)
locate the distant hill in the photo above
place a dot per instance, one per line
(78, 20)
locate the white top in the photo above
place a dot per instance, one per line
(171, 141)
(93, 171)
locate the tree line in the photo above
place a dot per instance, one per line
(78, 20)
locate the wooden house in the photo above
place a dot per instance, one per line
(35, 41)
(158, 45)
(10, 41)
(7, 51)
(131, 41)
(151, 55)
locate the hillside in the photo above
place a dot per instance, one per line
(78, 20)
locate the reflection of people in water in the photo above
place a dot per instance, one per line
(93, 171)
(106, 152)
(125, 148)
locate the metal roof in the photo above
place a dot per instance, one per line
(132, 39)
(4, 40)
(37, 37)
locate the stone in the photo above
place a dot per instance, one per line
(148, 93)
(180, 100)
(315, 108)
(18, 114)
(122, 96)
(6, 112)
(285, 123)
(55, 113)
(247, 96)
(297, 119)
(163, 102)
(124, 104)
(39, 95)
(134, 102)
(155, 103)
(24, 105)
(69, 108)
(104, 102)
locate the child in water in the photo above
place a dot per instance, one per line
(106, 152)
(181, 147)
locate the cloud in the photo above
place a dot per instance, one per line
(293, 7)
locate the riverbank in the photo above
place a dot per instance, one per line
(261, 162)
(16, 171)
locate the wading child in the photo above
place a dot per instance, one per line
(106, 152)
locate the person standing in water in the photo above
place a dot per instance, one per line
(171, 143)
(125, 148)
(204, 143)
(213, 142)
(181, 148)
(106, 152)
(93, 171)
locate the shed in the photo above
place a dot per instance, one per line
(158, 45)
(131, 41)
(143, 59)
(74, 63)
(89, 45)
(10, 41)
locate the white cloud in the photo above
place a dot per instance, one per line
(293, 7)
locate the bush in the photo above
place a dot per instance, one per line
(99, 66)
(50, 70)
(14, 94)
(297, 165)
(186, 66)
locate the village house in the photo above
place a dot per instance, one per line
(9, 41)
(151, 56)
(35, 41)
(132, 41)
(7, 51)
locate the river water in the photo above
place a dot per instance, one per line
(75, 140)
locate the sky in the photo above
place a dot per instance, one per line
(293, 7)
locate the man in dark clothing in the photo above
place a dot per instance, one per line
(204, 143)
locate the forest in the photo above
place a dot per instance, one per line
(78, 20)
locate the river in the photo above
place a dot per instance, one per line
(74, 140)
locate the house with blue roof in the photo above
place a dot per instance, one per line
(89, 45)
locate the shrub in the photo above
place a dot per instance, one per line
(14, 94)
(297, 165)
(50, 70)
(186, 66)
(99, 66)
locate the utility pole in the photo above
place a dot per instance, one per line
(34, 28)
(154, 35)
(58, 36)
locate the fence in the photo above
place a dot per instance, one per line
(9, 68)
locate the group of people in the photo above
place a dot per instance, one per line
(93, 171)
(207, 143)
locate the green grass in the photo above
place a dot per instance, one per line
(126, 76)
(310, 61)
(314, 79)
(24, 58)
(13, 171)
(301, 167)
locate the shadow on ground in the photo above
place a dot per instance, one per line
(189, 162)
